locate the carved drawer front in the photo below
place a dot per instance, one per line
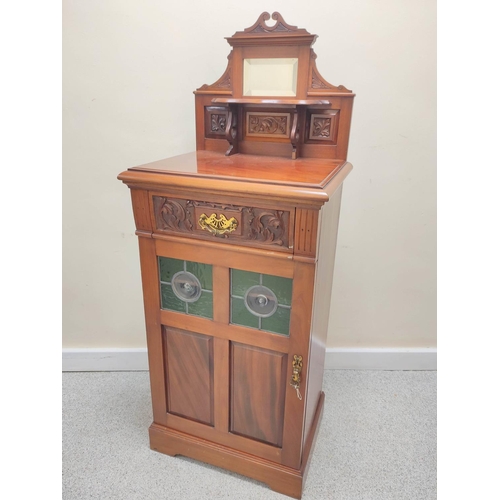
(254, 226)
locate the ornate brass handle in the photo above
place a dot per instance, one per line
(216, 225)
(297, 368)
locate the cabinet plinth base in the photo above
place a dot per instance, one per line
(278, 477)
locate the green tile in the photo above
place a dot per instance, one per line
(241, 316)
(203, 306)
(203, 272)
(279, 322)
(168, 267)
(170, 301)
(241, 281)
(282, 287)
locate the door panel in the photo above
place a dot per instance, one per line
(189, 375)
(229, 383)
(257, 393)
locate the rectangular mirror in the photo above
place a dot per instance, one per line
(270, 77)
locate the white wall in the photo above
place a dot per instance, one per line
(129, 71)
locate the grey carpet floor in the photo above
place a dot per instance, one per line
(377, 441)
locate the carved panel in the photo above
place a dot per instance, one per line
(215, 121)
(259, 225)
(173, 215)
(323, 126)
(218, 123)
(268, 226)
(262, 124)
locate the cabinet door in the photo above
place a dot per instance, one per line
(227, 356)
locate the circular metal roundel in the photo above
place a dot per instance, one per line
(186, 286)
(261, 301)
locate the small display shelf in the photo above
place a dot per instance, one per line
(274, 102)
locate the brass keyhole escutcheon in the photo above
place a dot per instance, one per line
(296, 369)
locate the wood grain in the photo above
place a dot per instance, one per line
(149, 274)
(300, 329)
(221, 384)
(257, 393)
(306, 172)
(262, 339)
(306, 232)
(215, 253)
(322, 299)
(225, 438)
(140, 205)
(189, 370)
(277, 102)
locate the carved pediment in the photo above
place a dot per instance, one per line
(280, 26)
(259, 31)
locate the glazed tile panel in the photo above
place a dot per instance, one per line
(186, 287)
(261, 301)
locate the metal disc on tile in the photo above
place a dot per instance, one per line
(186, 286)
(261, 301)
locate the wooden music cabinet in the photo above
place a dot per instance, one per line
(237, 244)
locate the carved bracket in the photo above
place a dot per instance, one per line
(294, 134)
(232, 130)
(224, 84)
(318, 84)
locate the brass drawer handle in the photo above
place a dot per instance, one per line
(216, 225)
(297, 368)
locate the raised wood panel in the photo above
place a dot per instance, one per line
(189, 375)
(257, 393)
(322, 125)
(215, 122)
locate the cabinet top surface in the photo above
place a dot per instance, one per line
(306, 172)
(304, 180)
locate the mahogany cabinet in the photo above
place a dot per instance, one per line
(237, 244)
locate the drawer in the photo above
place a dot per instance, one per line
(264, 227)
